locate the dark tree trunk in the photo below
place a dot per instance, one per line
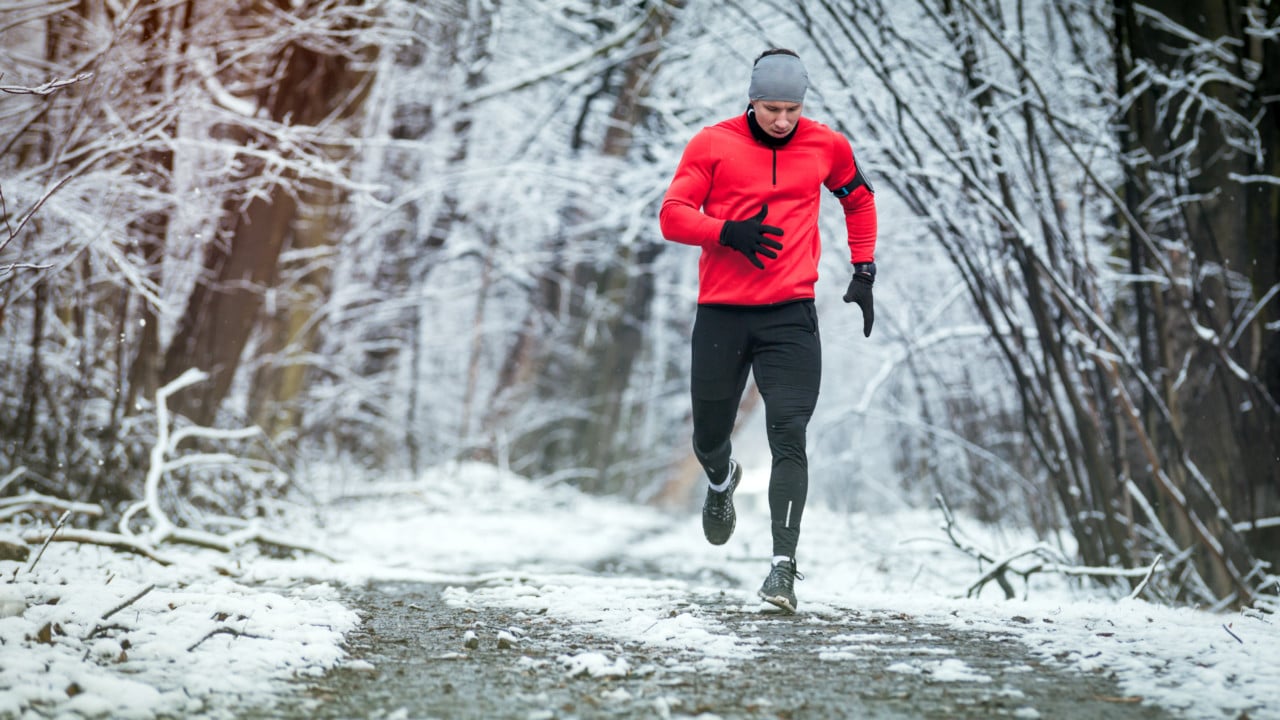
(1198, 184)
(241, 263)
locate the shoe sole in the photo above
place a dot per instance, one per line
(779, 601)
(719, 541)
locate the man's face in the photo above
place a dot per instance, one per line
(776, 117)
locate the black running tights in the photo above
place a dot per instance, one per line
(780, 346)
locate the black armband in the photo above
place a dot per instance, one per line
(859, 180)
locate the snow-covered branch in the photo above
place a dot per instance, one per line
(1040, 558)
(165, 459)
(45, 88)
(31, 502)
(115, 541)
(563, 65)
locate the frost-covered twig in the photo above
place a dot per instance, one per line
(12, 475)
(29, 502)
(1137, 591)
(970, 548)
(47, 540)
(45, 88)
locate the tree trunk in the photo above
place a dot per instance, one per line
(256, 225)
(1207, 171)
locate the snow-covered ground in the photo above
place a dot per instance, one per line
(216, 633)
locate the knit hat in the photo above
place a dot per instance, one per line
(778, 77)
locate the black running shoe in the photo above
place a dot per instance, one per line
(779, 588)
(718, 517)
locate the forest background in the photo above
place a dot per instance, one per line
(393, 233)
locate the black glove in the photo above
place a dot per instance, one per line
(864, 276)
(748, 237)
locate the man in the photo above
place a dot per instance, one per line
(755, 288)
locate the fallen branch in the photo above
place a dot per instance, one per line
(231, 541)
(92, 537)
(1059, 568)
(1050, 561)
(162, 529)
(33, 502)
(971, 549)
(999, 568)
(98, 627)
(224, 631)
(163, 460)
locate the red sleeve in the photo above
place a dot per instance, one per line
(859, 205)
(681, 217)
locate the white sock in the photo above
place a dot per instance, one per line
(723, 484)
(779, 558)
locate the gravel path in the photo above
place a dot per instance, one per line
(858, 664)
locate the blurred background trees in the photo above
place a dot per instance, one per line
(396, 233)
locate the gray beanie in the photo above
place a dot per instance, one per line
(778, 77)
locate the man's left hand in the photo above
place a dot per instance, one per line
(864, 277)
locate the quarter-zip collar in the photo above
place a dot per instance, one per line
(769, 141)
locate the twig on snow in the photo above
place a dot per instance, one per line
(99, 627)
(99, 630)
(128, 602)
(224, 631)
(1146, 578)
(66, 514)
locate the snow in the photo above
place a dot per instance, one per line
(498, 540)
(945, 670)
(595, 664)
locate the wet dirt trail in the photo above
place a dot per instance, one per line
(424, 658)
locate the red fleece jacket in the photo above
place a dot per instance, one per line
(726, 174)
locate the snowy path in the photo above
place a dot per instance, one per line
(639, 589)
(529, 663)
(611, 611)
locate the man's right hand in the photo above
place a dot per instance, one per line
(749, 237)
